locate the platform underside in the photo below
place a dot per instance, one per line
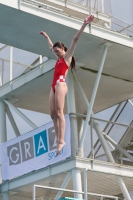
(97, 183)
(102, 179)
(20, 29)
(34, 95)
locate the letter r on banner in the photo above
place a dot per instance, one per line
(27, 149)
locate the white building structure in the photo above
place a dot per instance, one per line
(100, 166)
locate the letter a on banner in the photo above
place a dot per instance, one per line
(41, 145)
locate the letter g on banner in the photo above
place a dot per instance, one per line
(13, 152)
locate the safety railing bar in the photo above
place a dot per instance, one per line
(23, 74)
(105, 128)
(100, 155)
(17, 63)
(112, 122)
(116, 118)
(117, 24)
(122, 27)
(121, 20)
(126, 28)
(42, 5)
(37, 2)
(98, 119)
(74, 191)
(109, 173)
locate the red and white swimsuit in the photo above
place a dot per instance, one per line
(59, 72)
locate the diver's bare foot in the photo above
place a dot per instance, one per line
(60, 147)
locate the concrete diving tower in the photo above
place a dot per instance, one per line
(103, 78)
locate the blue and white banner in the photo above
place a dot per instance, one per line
(32, 151)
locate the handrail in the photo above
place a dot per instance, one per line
(98, 119)
(39, 4)
(72, 191)
(31, 68)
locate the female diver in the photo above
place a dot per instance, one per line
(65, 61)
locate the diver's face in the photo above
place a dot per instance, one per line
(59, 51)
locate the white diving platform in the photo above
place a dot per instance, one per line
(103, 173)
(116, 79)
(21, 22)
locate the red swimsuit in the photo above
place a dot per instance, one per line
(59, 72)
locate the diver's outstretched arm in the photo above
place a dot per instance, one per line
(71, 49)
(50, 43)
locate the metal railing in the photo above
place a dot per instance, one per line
(103, 6)
(113, 131)
(10, 70)
(37, 195)
(99, 6)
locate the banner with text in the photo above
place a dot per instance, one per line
(33, 150)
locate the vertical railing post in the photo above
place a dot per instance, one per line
(2, 72)
(102, 6)
(80, 130)
(40, 59)
(3, 134)
(19, 4)
(33, 193)
(1, 78)
(95, 5)
(85, 184)
(121, 158)
(11, 64)
(90, 9)
(90, 12)
(91, 133)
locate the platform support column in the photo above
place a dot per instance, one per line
(72, 109)
(3, 134)
(93, 95)
(76, 175)
(5, 196)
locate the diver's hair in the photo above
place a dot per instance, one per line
(60, 45)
